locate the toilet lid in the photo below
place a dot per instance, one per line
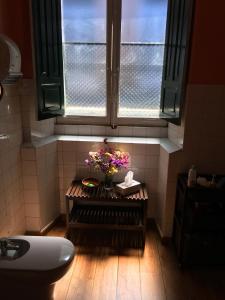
(45, 253)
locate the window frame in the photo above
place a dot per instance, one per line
(113, 50)
(113, 43)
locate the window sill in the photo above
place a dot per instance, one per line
(102, 121)
(165, 143)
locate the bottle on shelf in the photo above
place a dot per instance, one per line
(192, 176)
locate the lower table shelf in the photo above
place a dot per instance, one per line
(112, 216)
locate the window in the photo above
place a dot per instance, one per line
(84, 54)
(106, 58)
(135, 57)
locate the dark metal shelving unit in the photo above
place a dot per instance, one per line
(199, 223)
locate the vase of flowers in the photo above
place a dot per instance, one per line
(108, 182)
(109, 161)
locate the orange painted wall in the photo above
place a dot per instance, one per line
(15, 23)
(207, 61)
(207, 64)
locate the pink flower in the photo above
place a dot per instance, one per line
(108, 160)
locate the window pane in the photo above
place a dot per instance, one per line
(142, 48)
(84, 52)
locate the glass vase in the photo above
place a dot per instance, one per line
(108, 182)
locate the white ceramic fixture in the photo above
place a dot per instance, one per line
(31, 265)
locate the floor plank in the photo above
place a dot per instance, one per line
(105, 281)
(82, 282)
(129, 282)
(152, 285)
(62, 286)
(149, 259)
(103, 273)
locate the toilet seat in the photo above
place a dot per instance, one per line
(33, 275)
(45, 253)
(46, 261)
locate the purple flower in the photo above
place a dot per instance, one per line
(108, 160)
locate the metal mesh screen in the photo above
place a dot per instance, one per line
(140, 80)
(85, 79)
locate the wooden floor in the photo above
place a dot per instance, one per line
(101, 273)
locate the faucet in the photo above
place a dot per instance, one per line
(6, 244)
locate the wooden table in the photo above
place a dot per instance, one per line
(96, 208)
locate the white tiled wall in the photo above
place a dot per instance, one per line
(32, 129)
(40, 179)
(48, 182)
(12, 215)
(176, 133)
(31, 189)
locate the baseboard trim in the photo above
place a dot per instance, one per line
(48, 227)
(45, 229)
(150, 223)
(63, 218)
(32, 232)
(165, 240)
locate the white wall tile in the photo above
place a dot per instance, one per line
(81, 157)
(59, 145)
(151, 174)
(69, 157)
(82, 171)
(66, 181)
(33, 224)
(32, 210)
(71, 129)
(59, 129)
(30, 182)
(60, 157)
(164, 132)
(69, 170)
(98, 130)
(126, 148)
(151, 161)
(29, 168)
(139, 149)
(28, 154)
(152, 149)
(125, 131)
(84, 130)
(139, 132)
(83, 147)
(112, 131)
(153, 132)
(138, 161)
(68, 146)
(31, 196)
(63, 207)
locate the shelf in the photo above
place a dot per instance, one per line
(106, 226)
(77, 191)
(199, 223)
(96, 209)
(106, 215)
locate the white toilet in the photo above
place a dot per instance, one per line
(32, 265)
